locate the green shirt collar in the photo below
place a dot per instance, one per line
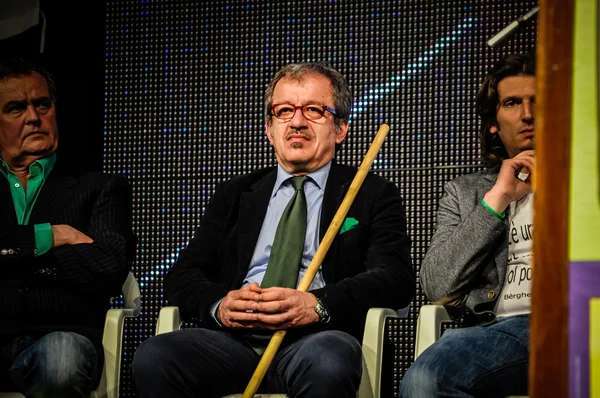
(44, 165)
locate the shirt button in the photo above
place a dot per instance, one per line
(35, 251)
(17, 185)
(491, 295)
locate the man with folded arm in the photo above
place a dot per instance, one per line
(66, 247)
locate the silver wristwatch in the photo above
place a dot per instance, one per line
(322, 311)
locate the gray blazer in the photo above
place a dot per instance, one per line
(465, 265)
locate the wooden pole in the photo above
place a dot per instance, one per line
(548, 371)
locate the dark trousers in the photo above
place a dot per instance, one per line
(208, 363)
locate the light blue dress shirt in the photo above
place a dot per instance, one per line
(314, 190)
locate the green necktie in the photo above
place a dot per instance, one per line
(288, 245)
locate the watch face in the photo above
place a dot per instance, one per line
(322, 312)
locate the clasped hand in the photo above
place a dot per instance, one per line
(273, 308)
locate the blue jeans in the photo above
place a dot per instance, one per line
(479, 361)
(208, 363)
(59, 364)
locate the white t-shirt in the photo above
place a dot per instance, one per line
(515, 298)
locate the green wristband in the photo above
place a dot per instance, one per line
(494, 212)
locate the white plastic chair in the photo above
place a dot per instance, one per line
(112, 341)
(429, 326)
(169, 320)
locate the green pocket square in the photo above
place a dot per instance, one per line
(348, 224)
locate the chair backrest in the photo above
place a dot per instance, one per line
(403, 312)
(132, 298)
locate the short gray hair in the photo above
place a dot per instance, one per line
(342, 96)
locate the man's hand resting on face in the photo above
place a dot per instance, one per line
(509, 187)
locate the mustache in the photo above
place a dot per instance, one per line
(302, 132)
(32, 132)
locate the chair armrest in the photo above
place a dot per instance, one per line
(429, 326)
(169, 320)
(112, 341)
(372, 349)
(112, 338)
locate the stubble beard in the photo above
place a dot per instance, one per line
(528, 144)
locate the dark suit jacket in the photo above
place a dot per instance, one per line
(367, 266)
(69, 287)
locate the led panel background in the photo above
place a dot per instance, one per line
(184, 88)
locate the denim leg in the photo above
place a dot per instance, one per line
(193, 362)
(325, 364)
(479, 361)
(60, 364)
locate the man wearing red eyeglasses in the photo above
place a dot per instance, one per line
(226, 279)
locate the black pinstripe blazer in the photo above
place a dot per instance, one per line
(69, 287)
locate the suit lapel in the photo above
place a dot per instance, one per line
(490, 179)
(501, 257)
(55, 194)
(8, 213)
(335, 191)
(252, 211)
